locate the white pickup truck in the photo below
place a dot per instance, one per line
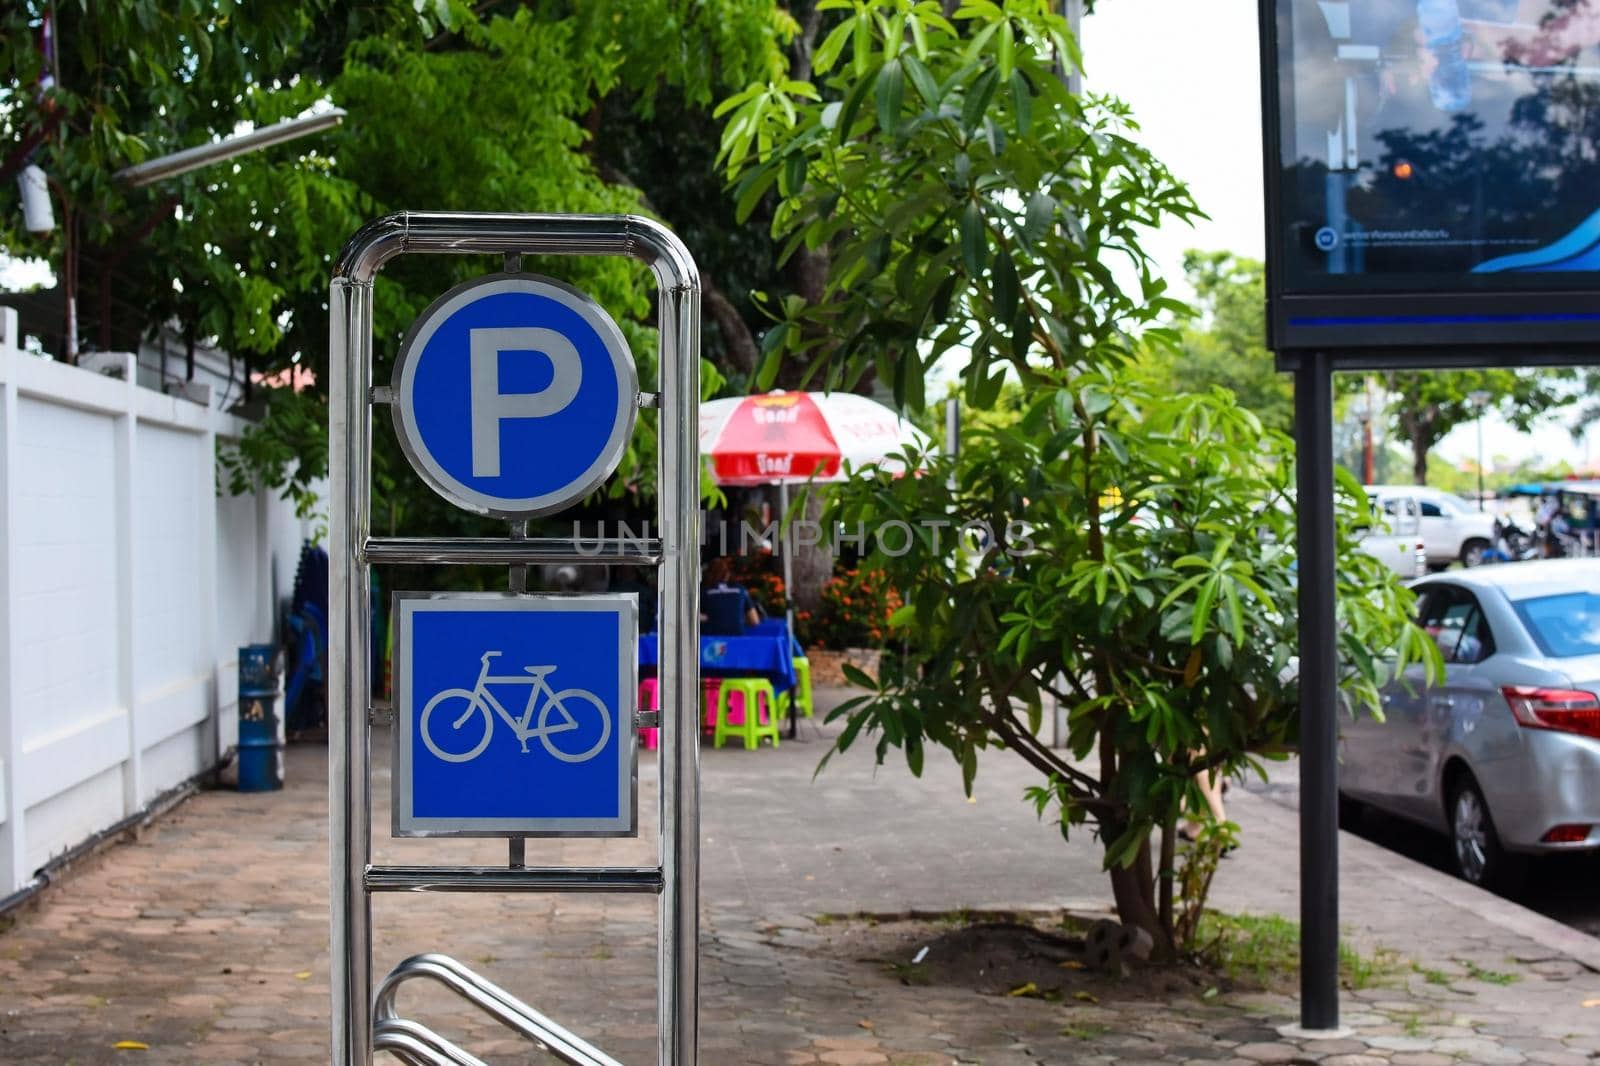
(1397, 542)
(1452, 529)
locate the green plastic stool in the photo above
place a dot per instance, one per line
(755, 696)
(801, 693)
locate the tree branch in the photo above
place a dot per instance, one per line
(1027, 745)
(742, 349)
(1046, 761)
(1169, 849)
(18, 157)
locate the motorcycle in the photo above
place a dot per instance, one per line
(1513, 544)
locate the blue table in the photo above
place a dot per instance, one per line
(765, 650)
(776, 627)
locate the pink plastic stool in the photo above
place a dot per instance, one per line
(650, 700)
(709, 688)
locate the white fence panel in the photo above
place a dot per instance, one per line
(127, 584)
(64, 527)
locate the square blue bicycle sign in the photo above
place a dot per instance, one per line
(514, 715)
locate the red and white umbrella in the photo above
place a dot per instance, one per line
(793, 437)
(789, 438)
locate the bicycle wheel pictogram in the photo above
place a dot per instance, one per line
(574, 711)
(461, 731)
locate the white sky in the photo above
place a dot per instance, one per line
(1191, 71)
(16, 274)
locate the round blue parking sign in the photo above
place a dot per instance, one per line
(515, 395)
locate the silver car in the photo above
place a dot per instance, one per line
(1504, 755)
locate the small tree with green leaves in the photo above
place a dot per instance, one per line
(1129, 552)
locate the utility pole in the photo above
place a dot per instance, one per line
(1366, 434)
(1480, 398)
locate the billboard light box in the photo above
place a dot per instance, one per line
(1433, 172)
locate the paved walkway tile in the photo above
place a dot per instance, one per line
(207, 938)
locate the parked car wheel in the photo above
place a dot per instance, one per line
(1472, 552)
(1479, 857)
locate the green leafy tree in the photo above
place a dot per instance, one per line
(937, 170)
(1134, 553)
(1428, 405)
(489, 106)
(535, 76)
(1129, 553)
(1226, 344)
(216, 250)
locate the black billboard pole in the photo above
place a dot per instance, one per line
(1316, 592)
(1317, 601)
(1395, 281)
(1319, 686)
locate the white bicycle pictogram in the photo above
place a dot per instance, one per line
(479, 700)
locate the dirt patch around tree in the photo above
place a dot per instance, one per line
(1039, 955)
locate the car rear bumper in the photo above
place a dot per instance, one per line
(1560, 786)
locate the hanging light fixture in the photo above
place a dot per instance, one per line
(37, 214)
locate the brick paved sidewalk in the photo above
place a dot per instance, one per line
(206, 939)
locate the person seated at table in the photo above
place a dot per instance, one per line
(725, 608)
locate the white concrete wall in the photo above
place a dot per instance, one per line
(162, 365)
(127, 584)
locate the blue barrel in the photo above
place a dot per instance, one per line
(260, 749)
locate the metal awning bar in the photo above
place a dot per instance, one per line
(643, 880)
(494, 1001)
(463, 551)
(170, 166)
(416, 1045)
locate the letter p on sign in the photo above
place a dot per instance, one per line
(490, 406)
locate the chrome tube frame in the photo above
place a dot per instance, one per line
(352, 552)
(501, 879)
(494, 1001)
(417, 1045)
(467, 550)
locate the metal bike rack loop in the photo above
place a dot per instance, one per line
(353, 551)
(416, 1045)
(494, 1001)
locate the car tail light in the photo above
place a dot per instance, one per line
(1566, 834)
(1561, 709)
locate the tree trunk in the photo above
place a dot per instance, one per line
(813, 563)
(737, 339)
(1420, 446)
(1133, 888)
(808, 273)
(805, 45)
(1169, 858)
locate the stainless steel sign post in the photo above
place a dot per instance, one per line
(513, 714)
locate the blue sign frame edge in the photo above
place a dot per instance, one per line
(402, 825)
(622, 434)
(1396, 329)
